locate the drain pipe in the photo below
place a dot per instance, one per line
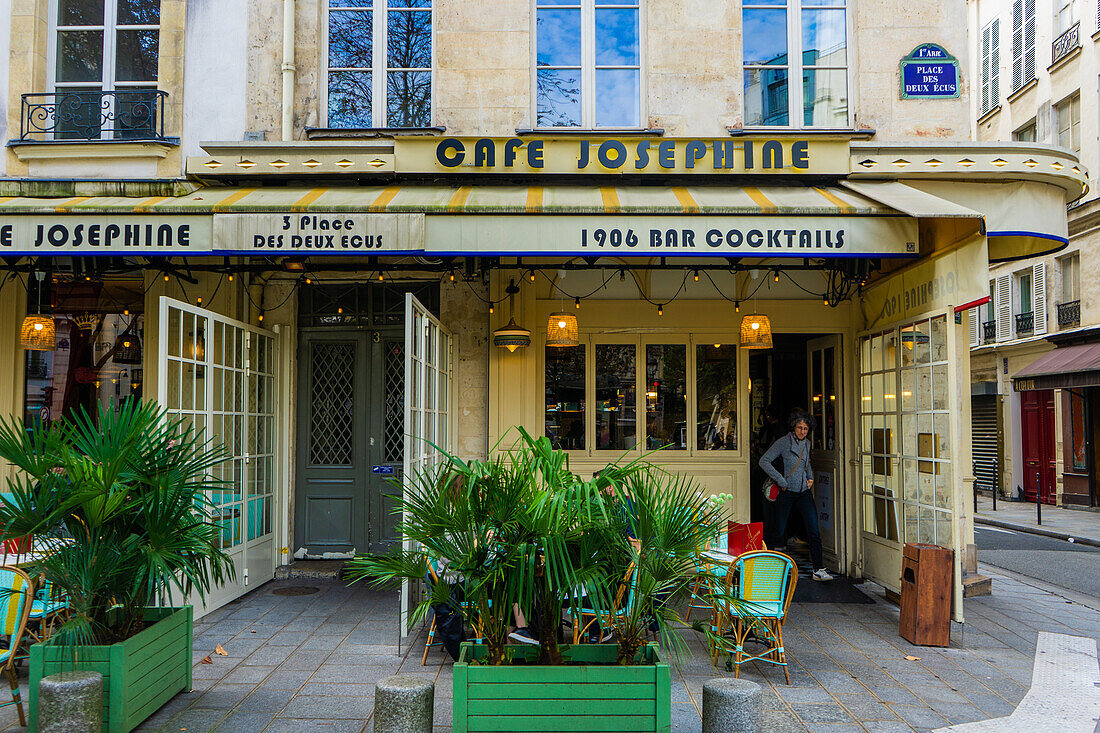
(289, 70)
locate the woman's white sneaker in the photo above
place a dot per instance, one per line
(823, 575)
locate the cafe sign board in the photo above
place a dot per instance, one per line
(642, 155)
(929, 72)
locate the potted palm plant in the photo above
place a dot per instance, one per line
(520, 529)
(117, 506)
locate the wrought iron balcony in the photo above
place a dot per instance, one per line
(134, 114)
(989, 332)
(1069, 314)
(1025, 323)
(1065, 43)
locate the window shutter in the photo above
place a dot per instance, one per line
(1029, 40)
(1039, 297)
(1004, 307)
(975, 329)
(986, 33)
(995, 63)
(1017, 44)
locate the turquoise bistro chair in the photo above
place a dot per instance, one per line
(764, 586)
(47, 609)
(15, 590)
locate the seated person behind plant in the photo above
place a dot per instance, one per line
(448, 613)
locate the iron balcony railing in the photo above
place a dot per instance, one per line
(1025, 323)
(1069, 314)
(1065, 43)
(989, 331)
(133, 114)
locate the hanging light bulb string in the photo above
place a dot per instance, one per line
(737, 301)
(260, 307)
(562, 292)
(835, 292)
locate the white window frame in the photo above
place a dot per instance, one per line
(588, 62)
(1072, 263)
(1023, 43)
(990, 55)
(1069, 104)
(1031, 126)
(1018, 304)
(379, 46)
(1063, 16)
(110, 29)
(795, 98)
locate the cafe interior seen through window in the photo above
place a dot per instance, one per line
(659, 389)
(97, 362)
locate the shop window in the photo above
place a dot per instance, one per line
(588, 63)
(98, 361)
(379, 63)
(616, 408)
(666, 396)
(1067, 116)
(1023, 42)
(1078, 434)
(991, 61)
(565, 396)
(1025, 134)
(716, 396)
(104, 68)
(905, 433)
(795, 39)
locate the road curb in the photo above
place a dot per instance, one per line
(1038, 530)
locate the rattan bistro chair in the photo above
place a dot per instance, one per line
(15, 592)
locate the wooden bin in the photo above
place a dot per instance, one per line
(591, 694)
(926, 575)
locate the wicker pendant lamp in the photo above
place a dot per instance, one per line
(38, 332)
(562, 330)
(512, 336)
(756, 332)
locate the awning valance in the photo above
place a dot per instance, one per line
(1065, 367)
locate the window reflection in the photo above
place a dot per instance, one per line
(616, 412)
(716, 396)
(666, 396)
(565, 396)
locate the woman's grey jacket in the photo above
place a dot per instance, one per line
(791, 449)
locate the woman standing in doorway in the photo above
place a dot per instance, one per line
(795, 484)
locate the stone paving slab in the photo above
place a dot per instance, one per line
(313, 662)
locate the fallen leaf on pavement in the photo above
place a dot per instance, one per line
(220, 651)
(911, 658)
(207, 660)
(253, 631)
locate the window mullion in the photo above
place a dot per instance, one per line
(378, 60)
(588, 64)
(110, 18)
(794, 64)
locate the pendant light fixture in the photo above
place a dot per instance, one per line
(562, 329)
(756, 330)
(512, 336)
(38, 332)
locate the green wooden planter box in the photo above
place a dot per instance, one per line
(139, 674)
(601, 696)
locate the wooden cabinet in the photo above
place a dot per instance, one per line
(926, 575)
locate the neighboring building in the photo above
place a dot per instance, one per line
(319, 221)
(1037, 415)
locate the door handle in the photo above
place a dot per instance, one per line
(372, 440)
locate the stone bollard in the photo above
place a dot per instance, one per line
(731, 706)
(71, 702)
(404, 703)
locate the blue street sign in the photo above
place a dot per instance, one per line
(929, 72)
(384, 470)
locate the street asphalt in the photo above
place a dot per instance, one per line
(1068, 565)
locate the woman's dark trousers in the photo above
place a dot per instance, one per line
(803, 503)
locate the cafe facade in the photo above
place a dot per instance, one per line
(634, 238)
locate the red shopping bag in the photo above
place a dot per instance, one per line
(745, 537)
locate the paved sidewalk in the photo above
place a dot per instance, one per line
(310, 662)
(1081, 525)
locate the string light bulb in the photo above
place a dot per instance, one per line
(661, 310)
(777, 276)
(826, 300)
(696, 276)
(577, 303)
(451, 276)
(381, 278)
(198, 302)
(532, 276)
(166, 277)
(737, 306)
(125, 311)
(261, 317)
(491, 309)
(622, 276)
(231, 277)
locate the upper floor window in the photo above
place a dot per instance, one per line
(1071, 277)
(795, 39)
(1023, 292)
(379, 63)
(1025, 134)
(1023, 42)
(1063, 16)
(991, 64)
(588, 59)
(104, 67)
(1067, 115)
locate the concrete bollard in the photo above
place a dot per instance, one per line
(731, 706)
(71, 702)
(404, 703)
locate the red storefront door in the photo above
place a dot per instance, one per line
(1037, 413)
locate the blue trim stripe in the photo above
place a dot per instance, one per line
(1038, 235)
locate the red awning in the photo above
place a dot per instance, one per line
(1064, 368)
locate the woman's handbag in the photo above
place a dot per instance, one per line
(771, 488)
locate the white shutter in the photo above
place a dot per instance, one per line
(1004, 307)
(1029, 40)
(986, 74)
(1039, 297)
(1017, 44)
(975, 329)
(995, 63)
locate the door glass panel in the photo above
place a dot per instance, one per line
(716, 396)
(616, 411)
(331, 396)
(565, 390)
(666, 396)
(394, 420)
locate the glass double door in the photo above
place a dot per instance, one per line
(350, 446)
